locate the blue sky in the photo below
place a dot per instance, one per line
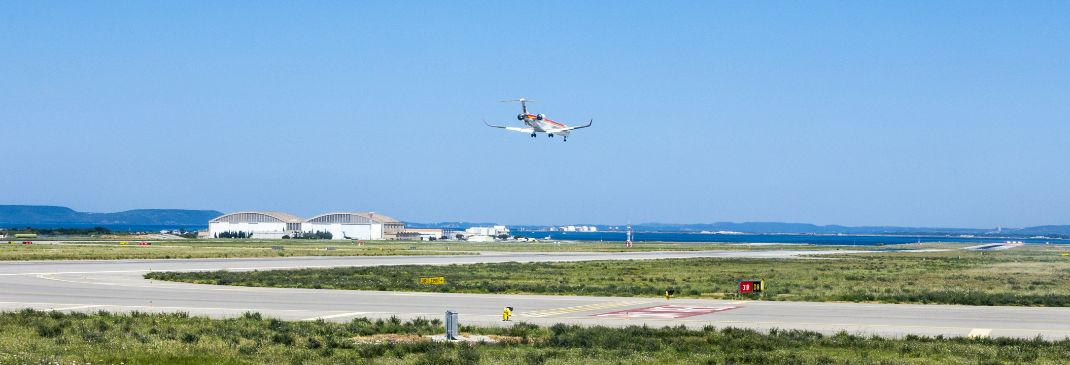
(860, 113)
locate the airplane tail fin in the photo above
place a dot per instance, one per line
(523, 103)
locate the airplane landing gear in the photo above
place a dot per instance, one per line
(551, 135)
(533, 135)
(565, 139)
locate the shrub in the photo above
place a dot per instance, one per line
(282, 339)
(49, 331)
(190, 338)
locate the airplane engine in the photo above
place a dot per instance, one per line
(520, 117)
(540, 117)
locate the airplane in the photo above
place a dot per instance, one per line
(538, 123)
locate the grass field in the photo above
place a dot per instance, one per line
(1030, 276)
(170, 249)
(177, 249)
(34, 337)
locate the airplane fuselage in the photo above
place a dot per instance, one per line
(538, 123)
(543, 125)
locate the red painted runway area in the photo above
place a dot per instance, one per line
(666, 311)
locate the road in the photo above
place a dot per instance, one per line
(117, 285)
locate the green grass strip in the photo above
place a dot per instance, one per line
(1026, 277)
(34, 337)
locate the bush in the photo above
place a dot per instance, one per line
(249, 339)
(234, 235)
(318, 235)
(282, 339)
(190, 338)
(49, 331)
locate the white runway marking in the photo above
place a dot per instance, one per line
(979, 333)
(151, 307)
(153, 284)
(666, 311)
(579, 308)
(339, 315)
(175, 270)
(76, 307)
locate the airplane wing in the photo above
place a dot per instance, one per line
(566, 129)
(515, 129)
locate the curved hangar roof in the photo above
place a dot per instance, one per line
(257, 217)
(351, 217)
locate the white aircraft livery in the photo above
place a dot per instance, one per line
(538, 123)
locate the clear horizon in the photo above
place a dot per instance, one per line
(911, 114)
(589, 223)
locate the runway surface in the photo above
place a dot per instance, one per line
(117, 285)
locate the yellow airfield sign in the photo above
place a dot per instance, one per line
(432, 280)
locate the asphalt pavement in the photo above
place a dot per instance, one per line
(117, 285)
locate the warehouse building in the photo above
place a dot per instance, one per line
(257, 224)
(355, 225)
(275, 225)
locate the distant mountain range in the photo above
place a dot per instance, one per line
(805, 228)
(1042, 230)
(59, 217)
(42, 216)
(778, 227)
(785, 228)
(450, 225)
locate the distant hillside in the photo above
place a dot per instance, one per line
(31, 215)
(806, 228)
(448, 225)
(61, 217)
(801, 228)
(1043, 230)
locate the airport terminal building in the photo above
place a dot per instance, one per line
(275, 225)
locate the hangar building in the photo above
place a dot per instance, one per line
(355, 225)
(341, 225)
(260, 224)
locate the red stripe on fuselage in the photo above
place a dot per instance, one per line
(555, 123)
(533, 116)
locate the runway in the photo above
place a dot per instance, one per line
(117, 285)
